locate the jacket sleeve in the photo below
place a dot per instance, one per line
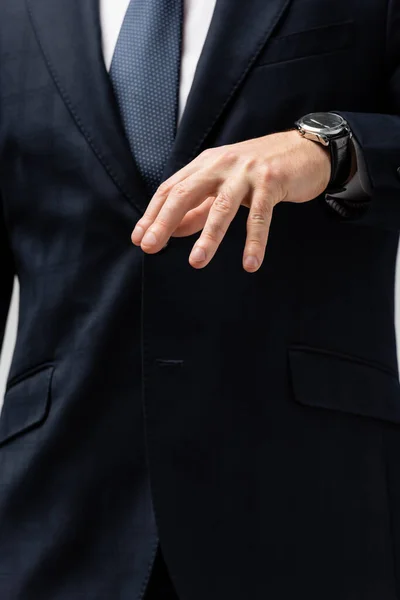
(377, 142)
(7, 272)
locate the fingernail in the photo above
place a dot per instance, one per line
(138, 230)
(198, 254)
(149, 239)
(137, 233)
(251, 262)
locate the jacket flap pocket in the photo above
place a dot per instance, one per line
(328, 38)
(26, 402)
(326, 380)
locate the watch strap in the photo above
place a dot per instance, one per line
(341, 157)
(346, 209)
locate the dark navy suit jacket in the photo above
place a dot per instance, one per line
(270, 401)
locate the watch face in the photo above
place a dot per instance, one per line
(324, 123)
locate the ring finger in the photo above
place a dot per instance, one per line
(221, 215)
(258, 224)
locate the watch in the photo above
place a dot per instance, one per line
(331, 130)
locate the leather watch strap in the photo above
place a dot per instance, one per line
(341, 163)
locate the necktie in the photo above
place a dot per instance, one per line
(145, 73)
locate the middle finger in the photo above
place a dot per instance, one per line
(185, 196)
(220, 217)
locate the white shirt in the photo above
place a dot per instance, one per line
(197, 19)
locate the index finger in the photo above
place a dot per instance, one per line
(184, 196)
(159, 198)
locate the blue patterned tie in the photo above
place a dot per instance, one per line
(145, 73)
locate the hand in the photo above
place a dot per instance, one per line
(206, 194)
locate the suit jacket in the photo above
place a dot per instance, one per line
(265, 407)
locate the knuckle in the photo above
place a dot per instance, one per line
(229, 155)
(255, 244)
(180, 190)
(164, 188)
(223, 202)
(215, 230)
(261, 213)
(219, 228)
(224, 157)
(206, 153)
(249, 164)
(211, 235)
(269, 173)
(265, 175)
(258, 218)
(219, 157)
(145, 222)
(162, 223)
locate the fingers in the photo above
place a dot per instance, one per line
(195, 219)
(222, 212)
(258, 226)
(162, 194)
(167, 213)
(206, 194)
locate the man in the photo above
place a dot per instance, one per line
(201, 202)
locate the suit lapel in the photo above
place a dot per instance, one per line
(238, 31)
(69, 34)
(70, 37)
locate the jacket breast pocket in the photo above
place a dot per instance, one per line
(308, 43)
(26, 403)
(326, 380)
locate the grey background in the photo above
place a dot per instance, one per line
(9, 341)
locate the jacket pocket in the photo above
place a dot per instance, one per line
(310, 42)
(26, 402)
(331, 381)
